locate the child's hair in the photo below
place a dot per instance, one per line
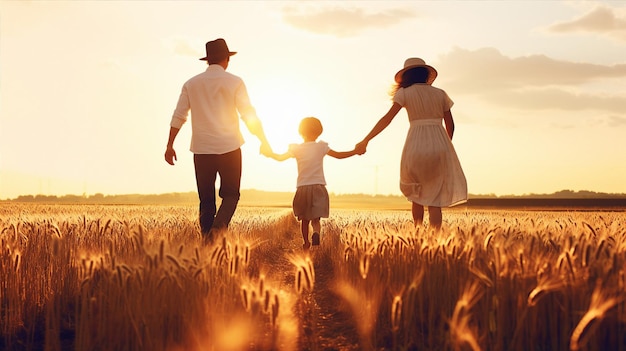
(310, 127)
(410, 77)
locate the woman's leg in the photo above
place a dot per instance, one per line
(435, 217)
(418, 213)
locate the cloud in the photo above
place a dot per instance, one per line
(530, 82)
(342, 22)
(184, 49)
(181, 46)
(616, 121)
(556, 99)
(601, 20)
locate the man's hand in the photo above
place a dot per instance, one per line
(170, 155)
(266, 150)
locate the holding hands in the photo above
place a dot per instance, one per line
(266, 149)
(361, 147)
(310, 129)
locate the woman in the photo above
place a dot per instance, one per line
(430, 171)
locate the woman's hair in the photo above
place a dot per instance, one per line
(410, 77)
(310, 127)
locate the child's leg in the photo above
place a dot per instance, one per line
(418, 213)
(304, 227)
(435, 217)
(317, 228)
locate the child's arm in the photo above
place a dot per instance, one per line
(340, 154)
(279, 157)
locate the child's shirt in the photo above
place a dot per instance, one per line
(310, 157)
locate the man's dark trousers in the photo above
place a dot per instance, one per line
(208, 166)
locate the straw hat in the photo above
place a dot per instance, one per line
(217, 49)
(417, 62)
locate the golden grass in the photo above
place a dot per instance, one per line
(140, 278)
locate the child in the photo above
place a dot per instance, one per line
(310, 203)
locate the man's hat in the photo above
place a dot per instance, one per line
(217, 49)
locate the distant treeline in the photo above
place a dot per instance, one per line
(560, 199)
(521, 202)
(252, 197)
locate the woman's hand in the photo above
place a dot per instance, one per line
(361, 147)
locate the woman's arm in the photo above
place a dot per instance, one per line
(449, 122)
(379, 127)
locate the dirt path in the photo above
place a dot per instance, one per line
(334, 329)
(324, 323)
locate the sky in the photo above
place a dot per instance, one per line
(87, 90)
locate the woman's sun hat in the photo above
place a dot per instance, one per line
(414, 62)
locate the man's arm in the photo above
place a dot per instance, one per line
(255, 127)
(170, 154)
(250, 118)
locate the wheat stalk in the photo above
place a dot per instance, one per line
(598, 307)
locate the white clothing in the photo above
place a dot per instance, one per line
(310, 157)
(430, 171)
(423, 101)
(215, 98)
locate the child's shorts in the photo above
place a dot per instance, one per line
(311, 202)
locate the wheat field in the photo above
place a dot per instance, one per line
(89, 277)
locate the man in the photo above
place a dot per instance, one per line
(216, 99)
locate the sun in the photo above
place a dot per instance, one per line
(281, 128)
(281, 107)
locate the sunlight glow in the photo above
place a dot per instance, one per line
(281, 107)
(533, 112)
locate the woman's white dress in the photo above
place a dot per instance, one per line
(430, 171)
